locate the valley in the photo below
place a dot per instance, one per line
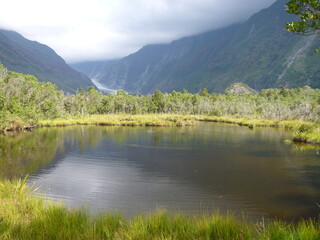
(160, 120)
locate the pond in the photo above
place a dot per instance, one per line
(192, 170)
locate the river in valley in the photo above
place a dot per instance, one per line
(192, 170)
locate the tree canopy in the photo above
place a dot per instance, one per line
(24, 100)
(309, 13)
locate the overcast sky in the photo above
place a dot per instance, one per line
(81, 30)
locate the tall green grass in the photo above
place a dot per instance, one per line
(123, 120)
(24, 216)
(306, 132)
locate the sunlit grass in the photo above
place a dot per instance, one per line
(24, 216)
(307, 132)
(14, 123)
(123, 120)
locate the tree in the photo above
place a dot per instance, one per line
(309, 13)
(204, 92)
(93, 99)
(121, 92)
(158, 100)
(3, 72)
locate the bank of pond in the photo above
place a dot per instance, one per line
(24, 216)
(200, 172)
(303, 132)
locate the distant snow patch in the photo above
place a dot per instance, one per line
(102, 87)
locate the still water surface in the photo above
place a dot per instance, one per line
(190, 169)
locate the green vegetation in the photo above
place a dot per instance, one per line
(24, 216)
(25, 102)
(309, 13)
(123, 120)
(239, 88)
(26, 152)
(305, 132)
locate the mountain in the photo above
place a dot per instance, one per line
(29, 57)
(259, 52)
(95, 70)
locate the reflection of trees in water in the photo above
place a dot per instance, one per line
(307, 164)
(254, 164)
(198, 134)
(229, 159)
(25, 152)
(81, 136)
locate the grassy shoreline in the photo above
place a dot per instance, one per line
(24, 216)
(303, 132)
(161, 120)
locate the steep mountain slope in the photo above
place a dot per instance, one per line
(93, 69)
(259, 52)
(29, 57)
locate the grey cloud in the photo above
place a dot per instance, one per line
(142, 23)
(115, 28)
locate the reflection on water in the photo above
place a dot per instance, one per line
(190, 169)
(26, 152)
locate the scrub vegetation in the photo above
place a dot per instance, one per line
(26, 216)
(25, 103)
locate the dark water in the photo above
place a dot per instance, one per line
(193, 169)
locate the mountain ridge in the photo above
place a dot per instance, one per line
(259, 52)
(31, 57)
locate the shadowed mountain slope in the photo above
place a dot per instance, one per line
(29, 57)
(259, 52)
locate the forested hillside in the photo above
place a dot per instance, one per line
(24, 101)
(29, 57)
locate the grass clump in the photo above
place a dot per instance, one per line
(305, 132)
(304, 230)
(122, 120)
(24, 216)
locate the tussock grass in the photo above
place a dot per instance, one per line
(14, 123)
(122, 120)
(24, 216)
(306, 132)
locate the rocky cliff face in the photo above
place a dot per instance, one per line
(22, 55)
(259, 52)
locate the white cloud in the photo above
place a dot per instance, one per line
(105, 29)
